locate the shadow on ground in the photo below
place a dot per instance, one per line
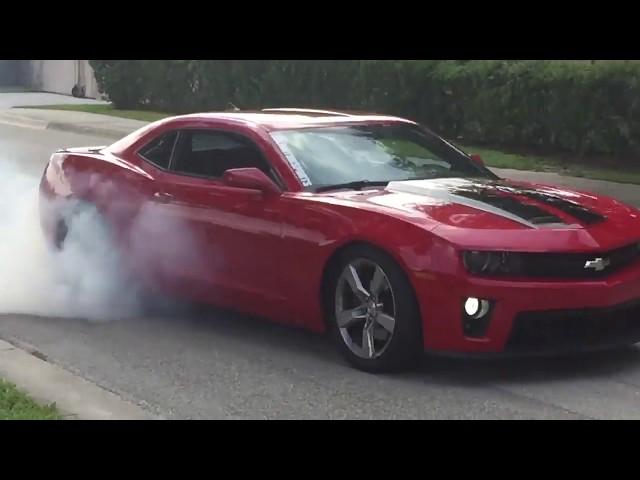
(203, 327)
(256, 332)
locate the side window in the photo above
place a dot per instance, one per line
(210, 153)
(159, 151)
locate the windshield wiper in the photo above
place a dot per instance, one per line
(358, 185)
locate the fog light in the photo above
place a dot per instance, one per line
(472, 306)
(475, 307)
(475, 317)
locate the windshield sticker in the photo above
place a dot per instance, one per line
(293, 161)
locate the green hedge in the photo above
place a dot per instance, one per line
(556, 106)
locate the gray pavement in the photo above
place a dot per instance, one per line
(76, 122)
(74, 397)
(212, 364)
(11, 98)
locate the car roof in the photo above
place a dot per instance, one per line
(291, 118)
(268, 119)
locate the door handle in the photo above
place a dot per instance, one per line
(162, 197)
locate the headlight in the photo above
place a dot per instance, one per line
(492, 263)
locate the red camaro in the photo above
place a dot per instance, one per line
(370, 227)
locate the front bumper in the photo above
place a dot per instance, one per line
(564, 331)
(533, 317)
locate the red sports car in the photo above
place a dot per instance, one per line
(369, 227)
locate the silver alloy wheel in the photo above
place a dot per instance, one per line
(365, 315)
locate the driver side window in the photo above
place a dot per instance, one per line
(210, 153)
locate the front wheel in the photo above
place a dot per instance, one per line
(373, 313)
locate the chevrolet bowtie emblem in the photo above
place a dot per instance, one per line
(598, 264)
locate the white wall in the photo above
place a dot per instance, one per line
(59, 76)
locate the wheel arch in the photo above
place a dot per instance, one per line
(332, 262)
(75, 179)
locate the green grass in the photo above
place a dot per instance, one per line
(611, 172)
(15, 405)
(536, 163)
(106, 110)
(607, 170)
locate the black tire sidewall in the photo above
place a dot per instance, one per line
(406, 346)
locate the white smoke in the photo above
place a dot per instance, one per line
(87, 278)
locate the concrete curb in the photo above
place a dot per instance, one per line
(88, 130)
(22, 121)
(17, 120)
(75, 397)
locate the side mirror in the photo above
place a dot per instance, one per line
(251, 179)
(478, 159)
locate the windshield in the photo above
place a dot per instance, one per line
(328, 156)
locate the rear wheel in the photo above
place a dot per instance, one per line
(373, 313)
(60, 233)
(70, 214)
(88, 248)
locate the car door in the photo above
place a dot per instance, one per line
(231, 237)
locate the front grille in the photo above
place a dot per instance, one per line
(572, 265)
(576, 329)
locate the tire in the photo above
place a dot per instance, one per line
(60, 234)
(78, 91)
(66, 217)
(151, 299)
(396, 345)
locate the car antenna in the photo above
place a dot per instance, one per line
(231, 106)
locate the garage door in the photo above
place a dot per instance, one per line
(9, 72)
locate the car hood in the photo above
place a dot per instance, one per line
(487, 213)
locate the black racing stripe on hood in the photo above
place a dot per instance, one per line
(572, 209)
(504, 196)
(491, 196)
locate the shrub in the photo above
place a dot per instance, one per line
(575, 107)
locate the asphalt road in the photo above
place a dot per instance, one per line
(208, 364)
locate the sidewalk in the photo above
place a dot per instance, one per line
(15, 96)
(116, 128)
(74, 397)
(78, 122)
